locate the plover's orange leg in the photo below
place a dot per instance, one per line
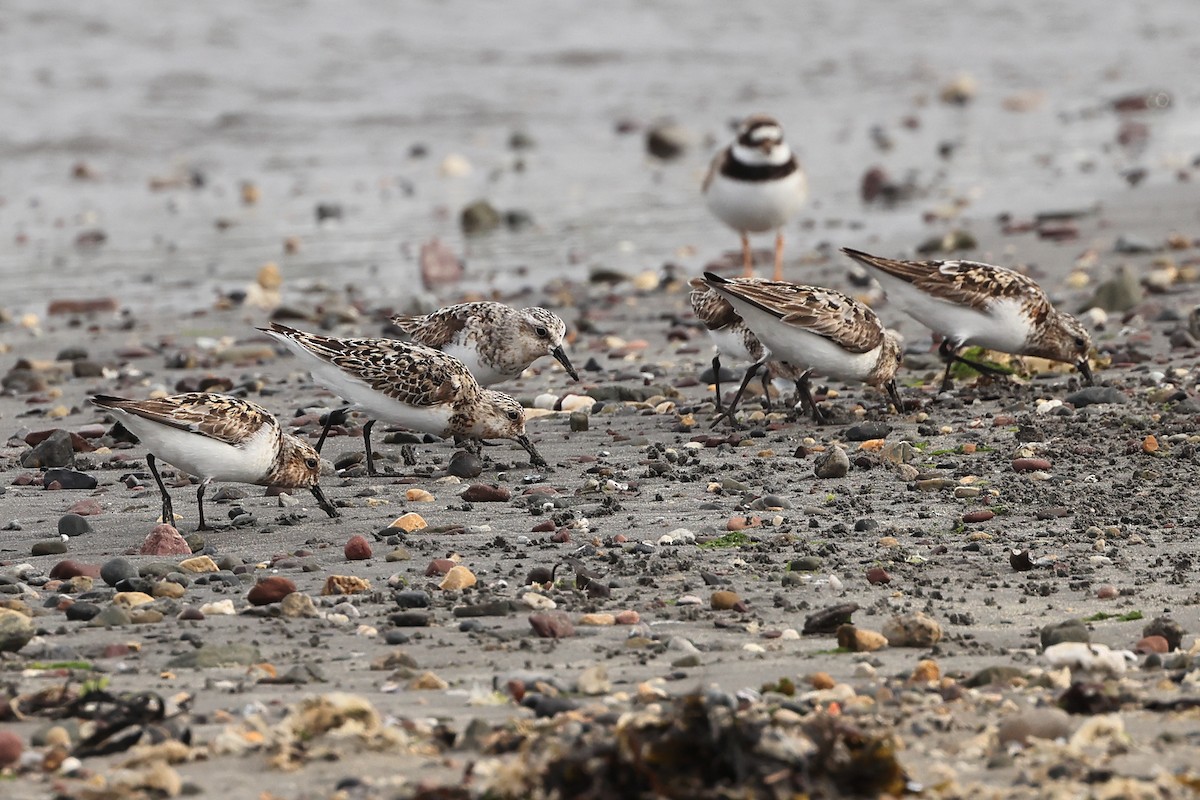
(779, 255)
(747, 257)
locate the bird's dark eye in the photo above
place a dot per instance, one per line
(514, 415)
(1080, 342)
(311, 463)
(542, 332)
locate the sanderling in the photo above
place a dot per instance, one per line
(218, 437)
(822, 330)
(970, 303)
(411, 385)
(495, 341)
(731, 338)
(755, 185)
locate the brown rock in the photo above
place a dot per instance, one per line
(439, 566)
(409, 522)
(1030, 464)
(95, 305)
(297, 605)
(482, 493)
(1033, 723)
(742, 523)
(912, 630)
(199, 564)
(418, 496)
(628, 617)
(67, 569)
(1150, 444)
(164, 540)
(357, 548)
(552, 625)
(11, 748)
(459, 577)
(979, 515)
(439, 265)
(878, 575)
(86, 508)
(926, 671)
(1152, 644)
(599, 619)
(821, 680)
(724, 600)
(857, 640)
(270, 590)
(345, 584)
(1107, 592)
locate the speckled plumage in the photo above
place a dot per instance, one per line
(218, 437)
(495, 341)
(823, 330)
(971, 303)
(756, 185)
(408, 384)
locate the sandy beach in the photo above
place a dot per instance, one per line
(171, 181)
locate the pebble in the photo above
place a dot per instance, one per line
(1033, 723)
(1106, 591)
(198, 565)
(552, 625)
(464, 465)
(878, 575)
(298, 605)
(458, 577)
(724, 600)
(270, 590)
(483, 493)
(1030, 465)
(926, 671)
(979, 515)
(821, 681)
(1096, 395)
(1071, 630)
(48, 547)
(345, 584)
(479, 217)
(667, 141)
(428, 681)
(867, 431)
(56, 450)
(112, 616)
(594, 681)
(217, 608)
(1168, 629)
(357, 548)
(67, 569)
(82, 611)
(67, 479)
(912, 630)
(857, 640)
(16, 630)
(86, 508)
(164, 540)
(1152, 644)
(418, 496)
(607, 619)
(439, 566)
(833, 463)
(628, 617)
(117, 569)
(11, 747)
(409, 522)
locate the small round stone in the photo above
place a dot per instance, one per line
(357, 548)
(117, 569)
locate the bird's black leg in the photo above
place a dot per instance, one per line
(168, 513)
(806, 398)
(335, 417)
(947, 353)
(200, 503)
(751, 371)
(367, 446)
(766, 386)
(716, 367)
(893, 393)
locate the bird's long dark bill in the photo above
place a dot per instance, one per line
(535, 457)
(325, 505)
(560, 355)
(894, 393)
(1085, 369)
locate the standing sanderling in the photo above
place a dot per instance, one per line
(731, 337)
(410, 385)
(755, 185)
(970, 303)
(495, 341)
(218, 437)
(825, 331)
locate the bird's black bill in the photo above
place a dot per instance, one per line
(560, 356)
(535, 457)
(1085, 369)
(325, 505)
(894, 393)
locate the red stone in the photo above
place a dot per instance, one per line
(11, 747)
(86, 508)
(878, 575)
(552, 625)
(1152, 644)
(78, 443)
(67, 569)
(482, 493)
(164, 541)
(357, 548)
(439, 566)
(270, 590)
(1030, 464)
(979, 515)
(545, 526)
(561, 537)
(628, 618)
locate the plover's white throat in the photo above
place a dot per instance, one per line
(755, 185)
(731, 338)
(495, 341)
(970, 303)
(218, 437)
(822, 330)
(407, 384)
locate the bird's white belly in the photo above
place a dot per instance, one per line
(203, 457)
(730, 345)
(484, 375)
(800, 348)
(1002, 328)
(757, 206)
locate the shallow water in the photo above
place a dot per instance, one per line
(317, 104)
